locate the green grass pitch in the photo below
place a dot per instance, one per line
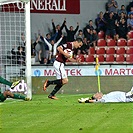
(66, 115)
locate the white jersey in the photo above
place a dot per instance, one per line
(115, 96)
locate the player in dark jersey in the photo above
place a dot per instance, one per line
(59, 66)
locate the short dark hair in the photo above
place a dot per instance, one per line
(122, 5)
(80, 31)
(47, 34)
(79, 39)
(90, 21)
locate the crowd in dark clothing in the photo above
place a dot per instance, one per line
(114, 23)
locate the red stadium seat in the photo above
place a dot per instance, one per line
(110, 50)
(101, 58)
(111, 42)
(101, 43)
(130, 34)
(81, 57)
(130, 42)
(108, 37)
(91, 50)
(120, 50)
(121, 42)
(129, 50)
(120, 58)
(100, 50)
(89, 58)
(129, 58)
(110, 58)
(101, 35)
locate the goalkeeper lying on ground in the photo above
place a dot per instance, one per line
(115, 96)
(8, 94)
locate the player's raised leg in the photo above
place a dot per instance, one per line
(11, 84)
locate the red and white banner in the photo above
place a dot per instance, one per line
(37, 71)
(48, 6)
(84, 71)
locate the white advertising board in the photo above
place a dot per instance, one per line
(85, 71)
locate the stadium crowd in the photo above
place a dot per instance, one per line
(113, 25)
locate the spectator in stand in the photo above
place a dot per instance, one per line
(121, 29)
(53, 48)
(80, 34)
(112, 6)
(88, 28)
(71, 32)
(121, 16)
(121, 26)
(20, 56)
(59, 29)
(33, 45)
(23, 42)
(85, 47)
(92, 38)
(37, 52)
(100, 23)
(13, 54)
(122, 10)
(110, 19)
(131, 10)
(49, 39)
(128, 8)
(40, 52)
(130, 22)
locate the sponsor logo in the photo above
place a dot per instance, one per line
(69, 72)
(37, 73)
(48, 6)
(98, 72)
(20, 88)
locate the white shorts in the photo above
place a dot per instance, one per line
(60, 70)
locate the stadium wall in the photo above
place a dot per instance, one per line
(86, 84)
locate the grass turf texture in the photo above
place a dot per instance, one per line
(66, 115)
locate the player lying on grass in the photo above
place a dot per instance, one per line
(8, 94)
(115, 96)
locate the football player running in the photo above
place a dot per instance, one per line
(58, 64)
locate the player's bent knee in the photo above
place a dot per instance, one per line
(64, 81)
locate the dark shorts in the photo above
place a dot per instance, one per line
(2, 97)
(110, 32)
